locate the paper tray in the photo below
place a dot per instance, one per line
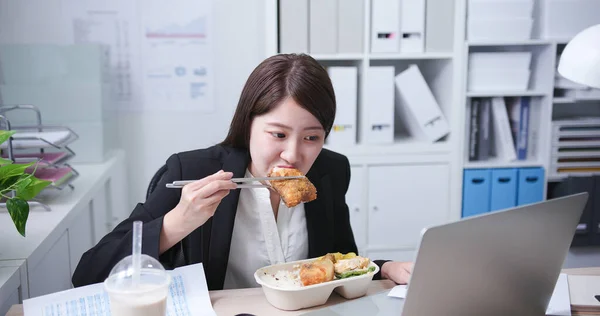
(295, 297)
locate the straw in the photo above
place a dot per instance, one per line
(137, 251)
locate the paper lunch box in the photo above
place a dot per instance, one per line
(286, 293)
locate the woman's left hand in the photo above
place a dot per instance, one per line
(398, 272)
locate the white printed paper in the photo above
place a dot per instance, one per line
(188, 296)
(112, 23)
(178, 55)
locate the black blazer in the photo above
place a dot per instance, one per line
(327, 217)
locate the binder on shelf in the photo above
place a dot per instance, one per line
(293, 26)
(519, 109)
(571, 185)
(412, 26)
(474, 129)
(504, 188)
(379, 127)
(350, 26)
(385, 26)
(345, 86)
(503, 139)
(323, 26)
(439, 26)
(417, 97)
(485, 130)
(531, 185)
(476, 192)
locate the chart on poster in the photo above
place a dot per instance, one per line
(177, 55)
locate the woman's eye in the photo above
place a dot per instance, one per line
(278, 135)
(312, 138)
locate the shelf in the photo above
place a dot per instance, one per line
(512, 43)
(567, 100)
(409, 146)
(357, 56)
(496, 163)
(409, 56)
(507, 93)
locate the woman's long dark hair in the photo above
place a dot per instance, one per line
(280, 76)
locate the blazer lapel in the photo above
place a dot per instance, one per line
(222, 222)
(319, 216)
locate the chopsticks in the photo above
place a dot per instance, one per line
(179, 184)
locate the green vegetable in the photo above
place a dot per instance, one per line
(352, 273)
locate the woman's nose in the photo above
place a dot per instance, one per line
(291, 153)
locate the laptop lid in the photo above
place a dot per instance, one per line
(501, 263)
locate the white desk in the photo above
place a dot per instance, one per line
(56, 240)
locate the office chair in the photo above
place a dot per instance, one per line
(156, 179)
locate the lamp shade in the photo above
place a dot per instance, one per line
(580, 60)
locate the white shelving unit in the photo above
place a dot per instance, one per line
(387, 215)
(417, 167)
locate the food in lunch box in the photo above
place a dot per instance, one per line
(292, 191)
(334, 266)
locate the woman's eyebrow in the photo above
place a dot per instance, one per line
(275, 124)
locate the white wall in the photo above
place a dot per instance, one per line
(150, 137)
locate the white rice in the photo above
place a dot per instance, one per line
(284, 279)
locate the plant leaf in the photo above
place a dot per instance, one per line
(13, 170)
(32, 189)
(5, 135)
(22, 183)
(5, 161)
(19, 211)
(8, 182)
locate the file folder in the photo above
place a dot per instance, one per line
(531, 185)
(345, 87)
(323, 26)
(476, 192)
(379, 127)
(418, 98)
(439, 26)
(571, 185)
(293, 26)
(504, 189)
(412, 26)
(351, 26)
(385, 26)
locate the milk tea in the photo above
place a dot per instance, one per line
(140, 305)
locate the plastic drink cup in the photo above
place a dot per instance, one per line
(138, 285)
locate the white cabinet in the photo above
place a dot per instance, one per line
(81, 234)
(13, 283)
(53, 272)
(390, 204)
(357, 207)
(404, 199)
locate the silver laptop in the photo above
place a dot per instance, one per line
(500, 263)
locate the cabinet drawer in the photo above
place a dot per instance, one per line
(355, 198)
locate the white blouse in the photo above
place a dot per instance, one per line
(258, 240)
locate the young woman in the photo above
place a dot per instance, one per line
(284, 114)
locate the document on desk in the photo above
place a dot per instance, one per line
(188, 295)
(560, 303)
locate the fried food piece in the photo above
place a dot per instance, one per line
(317, 271)
(293, 191)
(345, 265)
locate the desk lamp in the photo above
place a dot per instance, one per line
(580, 60)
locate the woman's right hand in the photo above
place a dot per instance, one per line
(198, 203)
(200, 199)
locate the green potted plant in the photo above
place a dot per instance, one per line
(17, 186)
